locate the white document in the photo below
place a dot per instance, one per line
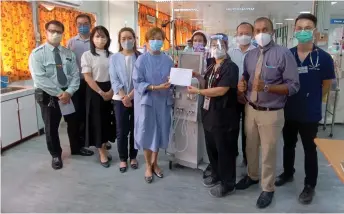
(68, 108)
(181, 76)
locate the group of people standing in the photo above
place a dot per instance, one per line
(271, 88)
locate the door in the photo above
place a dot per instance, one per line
(10, 129)
(27, 115)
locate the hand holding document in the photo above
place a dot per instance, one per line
(181, 76)
(67, 108)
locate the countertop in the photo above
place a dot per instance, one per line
(27, 90)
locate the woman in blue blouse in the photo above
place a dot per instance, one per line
(121, 69)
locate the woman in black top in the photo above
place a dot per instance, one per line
(219, 88)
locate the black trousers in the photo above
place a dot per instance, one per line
(52, 116)
(124, 127)
(80, 95)
(241, 114)
(221, 151)
(308, 132)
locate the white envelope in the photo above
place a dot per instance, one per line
(181, 76)
(68, 108)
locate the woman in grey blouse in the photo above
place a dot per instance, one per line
(121, 69)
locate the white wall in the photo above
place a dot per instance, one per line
(94, 7)
(116, 15)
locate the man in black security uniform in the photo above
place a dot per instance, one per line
(303, 110)
(219, 116)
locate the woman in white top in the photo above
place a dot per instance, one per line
(95, 67)
(121, 69)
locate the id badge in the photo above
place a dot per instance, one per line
(303, 70)
(206, 103)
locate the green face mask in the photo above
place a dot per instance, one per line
(304, 36)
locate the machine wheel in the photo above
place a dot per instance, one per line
(324, 128)
(331, 135)
(170, 165)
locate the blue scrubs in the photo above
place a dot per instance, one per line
(305, 106)
(303, 112)
(153, 109)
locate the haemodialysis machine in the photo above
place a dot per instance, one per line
(187, 142)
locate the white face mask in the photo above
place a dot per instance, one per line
(54, 38)
(218, 53)
(244, 39)
(99, 42)
(263, 39)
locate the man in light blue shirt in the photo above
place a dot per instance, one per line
(243, 37)
(80, 44)
(56, 78)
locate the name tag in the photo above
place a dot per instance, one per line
(303, 70)
(206, 103)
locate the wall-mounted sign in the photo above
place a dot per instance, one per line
(337, 21)
(151, 19)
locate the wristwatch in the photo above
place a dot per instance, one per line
(266, 88)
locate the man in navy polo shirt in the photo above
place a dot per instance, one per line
(303, 110)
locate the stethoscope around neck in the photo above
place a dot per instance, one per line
(312, 66)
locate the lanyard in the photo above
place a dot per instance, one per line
(213, 75)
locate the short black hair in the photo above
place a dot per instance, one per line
(83, 16)
(245, 23)
(307, 16)
(54, 22)
(265, 19)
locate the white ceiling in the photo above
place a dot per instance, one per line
(217, 19)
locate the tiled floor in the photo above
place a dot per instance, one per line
(29, 184)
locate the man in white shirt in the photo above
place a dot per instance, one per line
(243, 38)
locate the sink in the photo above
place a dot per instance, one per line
(10, 89)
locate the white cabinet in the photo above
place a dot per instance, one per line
(10, 128)
(18, 119)
(27, 115)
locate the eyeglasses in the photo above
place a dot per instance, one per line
(54, 31)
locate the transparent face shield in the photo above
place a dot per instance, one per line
(218, 46)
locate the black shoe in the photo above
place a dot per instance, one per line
(108, 146)
(105, 164)
(158, 174)
(220, 191)
(149, 179)
(56, 163)
(134, 165)
(265, 199)
(83, 152)
(210, 181)
(245, 183)
(207, 172)
(307, 195)
(283, 179)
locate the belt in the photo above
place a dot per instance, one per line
(259, 108)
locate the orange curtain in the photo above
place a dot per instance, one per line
(17, 39)
(145, 25)
(64, 15)
(184, 31)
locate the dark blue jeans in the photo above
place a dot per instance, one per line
(124, 127)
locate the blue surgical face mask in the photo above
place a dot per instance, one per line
(155, 45)
(127, 45)
(84, 29)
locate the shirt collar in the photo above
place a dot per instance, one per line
(248, 49)
(267, 47)
(51, 47)
(78, 37)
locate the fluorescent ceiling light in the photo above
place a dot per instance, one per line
(279, 23)
(185, 10)
(305, 12)
(289, 19)
(240, 9)
(196, 19)
(333, 3)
